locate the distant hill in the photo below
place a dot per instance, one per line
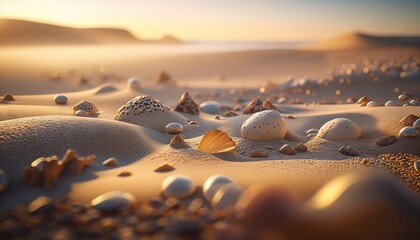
(21, 32)
(358, 40)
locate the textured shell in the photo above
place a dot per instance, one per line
(86, 106)
(216, 141)
(140, 105)
(339, 129)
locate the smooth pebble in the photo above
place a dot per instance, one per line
(213, 184)
(416, 124)
(408, 132)
(113, 201)
(390, 103)
(340, 129)
(133, 83)
(372, 104)
(174, 128)
(227, 196)
(178, 186)
(210, 107)
(265, 125)
(60, 99)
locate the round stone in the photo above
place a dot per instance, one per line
(60, 99)
(174, 128)
(87, 106)
(133, 83)
(287, 149)
(213, 184)
(340, 129)
(408, 132)
(416, 124)
(81, 113)
(390, 103)
(372, 104)
(227, 196)
(210, 107)
(265, 125)
(4, 181)
(113, 201)
(414, 103)
(178, 186)
(403, 97)
(312, 130)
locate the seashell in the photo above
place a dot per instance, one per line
(86, 106)
(414, 103)
(164, 78)
(403, 96)
(60, 99)
(417, 166)
(372, 104)
(124, 174)
(363, 101)
(230, 114)
(408, 132)
(255, 105)
(390, 103)
(81, 113)
(41, 206)
(8, 97)
(349, 151)
(213, 184)
(416, 124)
(312, 130)
(174, 128)
(134, 83)
(4, 181)
(164, 168)
(216, 141)
(51, 171)
(112, 202)
(227, 196)
(301, 147)
(178, 142)
(257, 153)
(287, 149)
(268, 105)
(339, 129)
(110, 162)
(265, 125)
(178, 186)
(192, 123)
(187, 105)
(210, 107)
(409, 120)
(387, 141)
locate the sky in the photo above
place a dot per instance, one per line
(286, 20)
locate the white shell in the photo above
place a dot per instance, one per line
(112, 201)
(408, 132)
(416, 124)
(178, 186)
(210, 107)
(227, 196)
(340, 129)
(60, 99)
(264, 125)
(174, 128)
(372, 104)
(81, 113)
(213, 184)
(133, 83)
(390, 103)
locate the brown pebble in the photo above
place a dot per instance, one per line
(218, 117)
(287, 149)
(110, 162)
(301, 147)
(269, 147)
(8, 97)
(364, 162)
(124, 174)
(192, 123)
(409, 120)
(258, 153)
(230, 114)
(349, 151)
(387, 141)
(291, 117)
(165, 168)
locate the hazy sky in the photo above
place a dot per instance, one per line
(227, 19)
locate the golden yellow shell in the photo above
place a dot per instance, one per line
(216, 141)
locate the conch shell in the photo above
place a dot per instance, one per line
(216, 141)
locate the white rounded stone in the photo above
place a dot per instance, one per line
(60, 99)
(390, 103)
(178, 186)
(227, 196)
(174, 128)
(372, 104)
(408, 132)
(81, 113)
(414, 103)
(416, 124)
(210, 107)
(340, 129)
(264, 125)
(213, 184)
(113, 201)
(134, 83)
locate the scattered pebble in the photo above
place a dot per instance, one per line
(403, 96)
(416, 124)
(4, 181)
(178, 186)
(60, 99)
(230, 114)
(291, 117)
(227, 196)
(387, 141)
(287, 149)
(124, 174)
(41, 206)
(87, 106)
(110, 162)
(213, 184)
(409, 120)
(408, 132)
(364, 161)
(414, 103)
(301, 147)
(264, 125)
(174, 128)
(372, 104)
(269, 147)
(164, 168)
(312, 130)
(340, 129)
(112, 202)
(363, 101)
(178, 142)
(218, 117)
(81, 113)
(349, 151)
(390, 103)
(187, 105)
(210, 107)
(257, 153)
(134, 83)
(8, 97)
(310, 136)
(192, 123)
